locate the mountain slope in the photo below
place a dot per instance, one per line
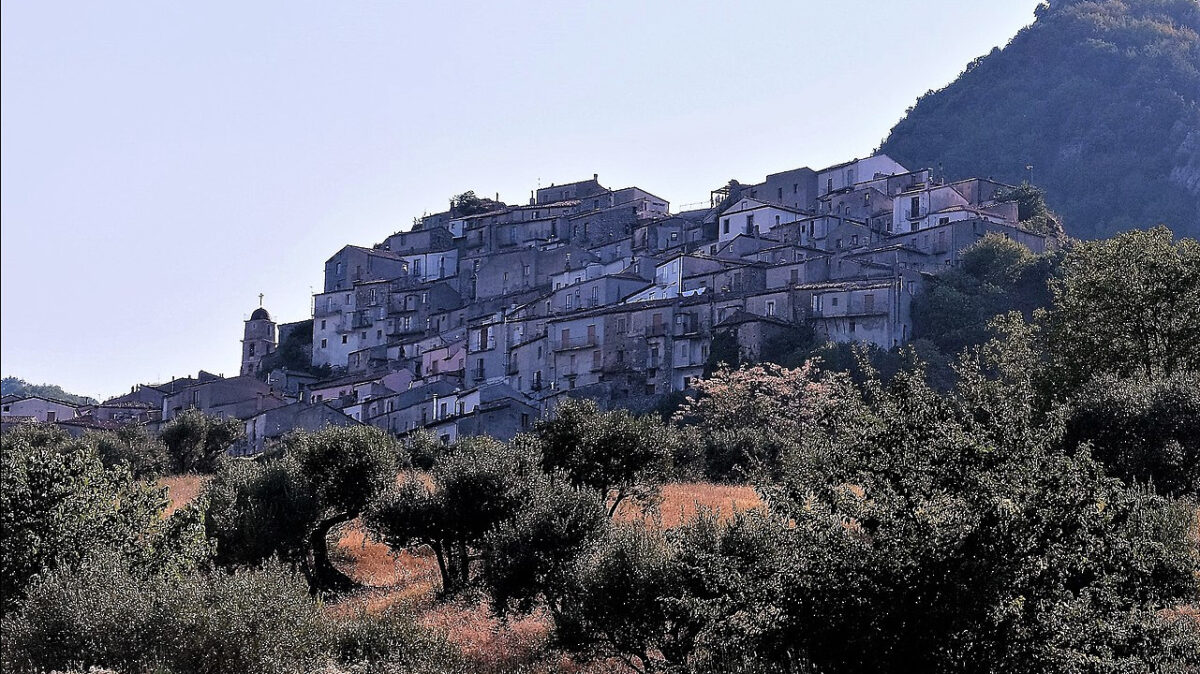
(1102, 98)
(18, 386)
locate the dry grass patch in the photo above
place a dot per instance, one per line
(681, 500)
(182, 489)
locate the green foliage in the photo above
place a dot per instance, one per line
(693, 599)
(259, 510)
(468, 204)
(532, 555)
(20, 387)
(945, 533)
(196, 441)
(133, 446)
(1101, 98)
(476, 486)
(107, 614)
(287, 506)
(1127, 306)
(1142, 431)
(423, 448)
(58, 502)
(724, 352)
(1033, 212)
(745, 419)
(996, 275)
(294, 354)
(615, 453)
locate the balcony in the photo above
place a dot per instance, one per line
(656, 330)
(575, 343)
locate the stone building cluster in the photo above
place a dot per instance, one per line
(480, 320)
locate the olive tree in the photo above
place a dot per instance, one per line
(617, 454)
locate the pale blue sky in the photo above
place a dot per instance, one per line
(163, 163)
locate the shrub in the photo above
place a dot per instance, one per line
(133, 446)
(263, 620)
(58, 502)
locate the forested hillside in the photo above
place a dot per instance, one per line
(1102, 99)
(18, 386)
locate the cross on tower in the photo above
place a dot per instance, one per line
(260, 299)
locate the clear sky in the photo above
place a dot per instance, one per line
(164, 163)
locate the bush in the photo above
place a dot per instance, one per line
(108, 615)
(132, 446)
(258, 510)
(58, 502)
(475, 487)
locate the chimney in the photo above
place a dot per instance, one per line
(596, 176)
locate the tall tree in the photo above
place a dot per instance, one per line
(1128, 305)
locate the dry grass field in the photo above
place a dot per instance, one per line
(490, 644)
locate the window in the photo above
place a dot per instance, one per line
(251, 350)
(776, 220)
(596, 359)
(725, 226)
(869, 302)
(914, 207)
(324, 343)
(363, 335)
(322, 323)
(345, 339)
(780, 194)
(795, 276)
(749, 223)
(795, 187)
(379, 334)
(833, 301)
(770, 307)
(852, 326)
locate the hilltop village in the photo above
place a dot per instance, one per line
(481, 318)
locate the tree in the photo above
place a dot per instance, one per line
(1142, 430)
(532, 555)
(695, 598)
(1033, 212)
(995, 275)
(58, 502)
(746, 417)
(195, 440)
(468, 204)
(131, 445)
(1127, 306)
(473, 488)
(343, 469)
(617, 454)
(257, 510)
(945, 532)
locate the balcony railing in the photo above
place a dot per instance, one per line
(575, 343)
